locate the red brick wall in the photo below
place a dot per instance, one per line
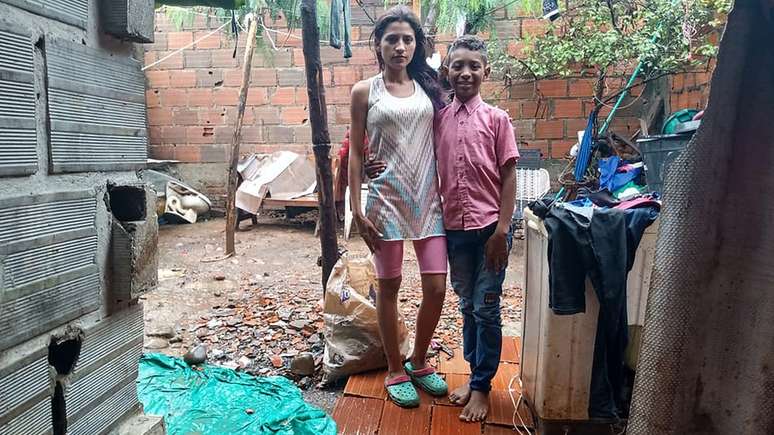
(192, 96)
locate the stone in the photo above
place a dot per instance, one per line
(156, 344)
(244, 362)
(176, 339)
(219, 277)
(249, 411)
(163, 331)
(314, 339)
(303, 364)
(197, 355)
(299, 324)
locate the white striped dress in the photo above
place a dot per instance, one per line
(403, 202)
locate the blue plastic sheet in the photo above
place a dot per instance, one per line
(210, 400)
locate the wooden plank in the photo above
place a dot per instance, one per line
(400, 421)
(504, 375)
(446, 421)
(511, 350)
(304, 201)
(456, 365)
(369, 384)
(357, 415)
(491, 429)
(501, 409)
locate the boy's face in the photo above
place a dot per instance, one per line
(466, 71)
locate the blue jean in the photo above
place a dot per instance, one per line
(479, 289)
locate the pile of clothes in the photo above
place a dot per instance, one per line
(596, 236)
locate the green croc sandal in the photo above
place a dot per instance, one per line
(427, 379)
(400, 391)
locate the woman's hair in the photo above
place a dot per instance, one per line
(418, 69)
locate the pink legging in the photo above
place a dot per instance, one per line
(431, 255)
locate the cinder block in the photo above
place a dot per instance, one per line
(131, 20)
(133, 243)
(25, 388)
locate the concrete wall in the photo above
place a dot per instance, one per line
(56, 280)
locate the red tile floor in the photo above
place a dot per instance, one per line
(364, 408)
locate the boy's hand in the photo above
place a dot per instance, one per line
(497, 251)
(374, 168)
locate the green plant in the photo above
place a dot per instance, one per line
(603, 36)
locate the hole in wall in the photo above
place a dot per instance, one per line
(63, 352)
(127, 203)
(59, 410)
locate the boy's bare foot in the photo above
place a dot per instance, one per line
(461, 395)
(477, 407)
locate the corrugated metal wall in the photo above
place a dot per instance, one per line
(72, 126)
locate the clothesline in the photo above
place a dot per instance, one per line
(361, 42)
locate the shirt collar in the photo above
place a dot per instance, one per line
(470, 106)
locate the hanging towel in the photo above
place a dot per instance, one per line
(339, 8)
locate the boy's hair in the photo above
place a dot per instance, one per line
(472, 43)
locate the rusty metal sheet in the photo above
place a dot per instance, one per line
(18, 133)
(357, 415)
(23, 385)
(446, 421)
(97, 110)
(370, 384)
(455, 365)
(396, 420)
(74, 12)
(501, 409)
(48, 271)
(511, 350)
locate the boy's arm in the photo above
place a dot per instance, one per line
(497, 245)
(507, 156)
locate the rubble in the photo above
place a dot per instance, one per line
(264, 326)
(303, 364)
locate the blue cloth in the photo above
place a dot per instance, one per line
(479, 289)
(607, 168)
(610, 178)
(339, 8)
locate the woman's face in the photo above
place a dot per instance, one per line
(398, 44)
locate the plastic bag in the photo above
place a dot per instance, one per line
(352, 340)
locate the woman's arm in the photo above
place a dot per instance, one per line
(359, 113)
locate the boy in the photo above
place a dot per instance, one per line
(476, 152)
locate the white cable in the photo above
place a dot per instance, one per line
(524, 430)
(186, 47)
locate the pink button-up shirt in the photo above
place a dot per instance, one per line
(472, 142)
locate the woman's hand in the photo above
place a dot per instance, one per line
(368, 231)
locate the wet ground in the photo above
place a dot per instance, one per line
(259, 310)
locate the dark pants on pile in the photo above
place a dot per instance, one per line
(479, 290)
(579, 247)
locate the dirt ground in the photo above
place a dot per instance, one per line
(260, 309)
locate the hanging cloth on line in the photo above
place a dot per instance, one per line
(339, 8)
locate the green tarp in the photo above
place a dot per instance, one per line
(210, 400)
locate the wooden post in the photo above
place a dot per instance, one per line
(321, 142)
(231, 212)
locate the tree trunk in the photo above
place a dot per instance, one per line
(321, 143)
(231, 212)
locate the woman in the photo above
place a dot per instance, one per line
(396, 109)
